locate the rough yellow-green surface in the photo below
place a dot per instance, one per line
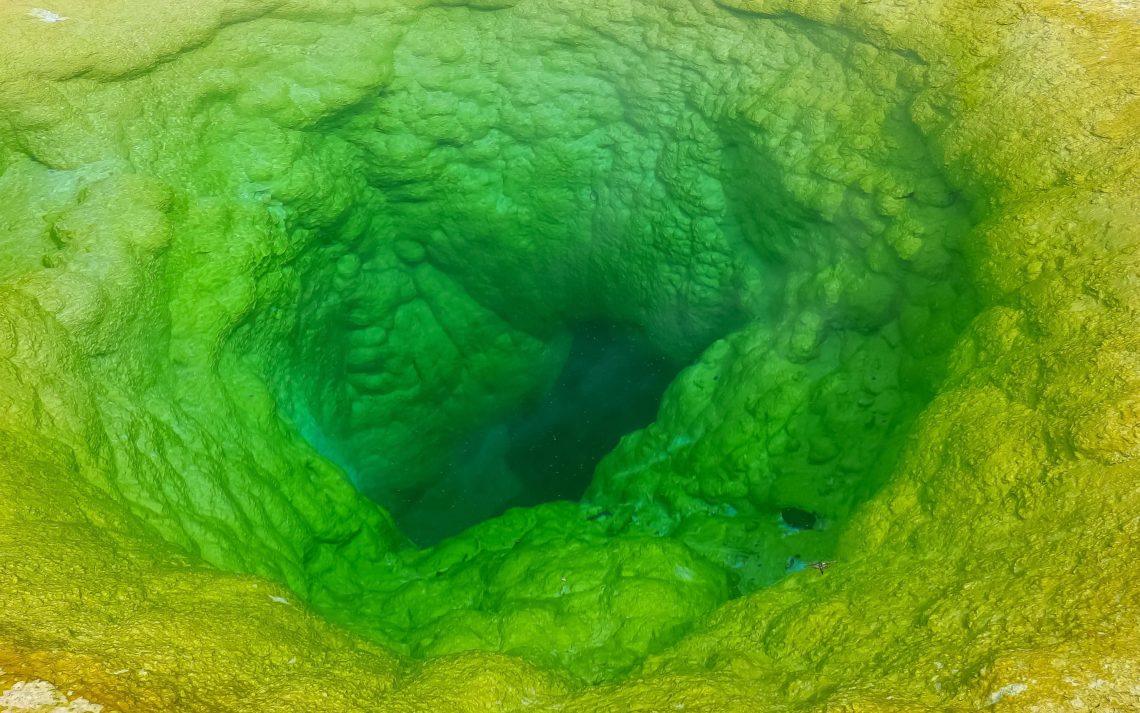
(270, 269)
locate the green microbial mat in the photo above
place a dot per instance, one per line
(500, 260)
(744, 355)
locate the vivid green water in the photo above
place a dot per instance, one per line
(458, 227)
(446, 235)
(554, 341)
(461, 269)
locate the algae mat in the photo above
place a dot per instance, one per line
(290, 293)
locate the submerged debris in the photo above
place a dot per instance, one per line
(45, 15)
(800, 519)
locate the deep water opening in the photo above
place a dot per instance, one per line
(546, 449)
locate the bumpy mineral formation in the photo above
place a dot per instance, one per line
(283, 283)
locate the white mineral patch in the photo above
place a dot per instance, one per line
(42, 697)
(46, 15)
(27, 695)
(1011, 690)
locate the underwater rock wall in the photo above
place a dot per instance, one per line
(262, 260)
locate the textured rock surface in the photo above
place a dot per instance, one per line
(245, 243)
